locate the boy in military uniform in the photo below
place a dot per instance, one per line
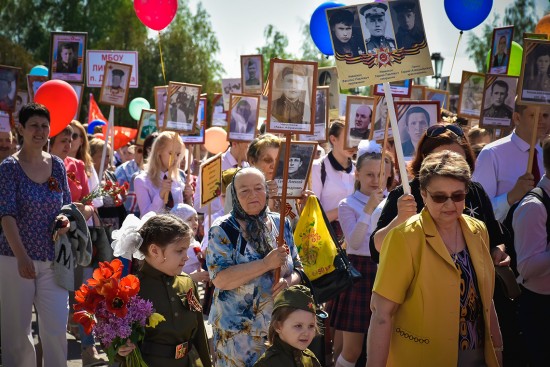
(290, 107)
(375, 19)
(293, 327)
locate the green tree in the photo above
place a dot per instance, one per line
(310, 52)
(521, 14)
(189, 44)
(275, 46)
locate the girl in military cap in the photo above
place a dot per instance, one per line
(292, 329)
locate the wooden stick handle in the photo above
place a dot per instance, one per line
(281, 238)
(383, 179)
(532, 149)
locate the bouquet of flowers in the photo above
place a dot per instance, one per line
(109, 306)
(109, 188)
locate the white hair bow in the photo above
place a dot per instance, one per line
(368, 146)
(127, 240)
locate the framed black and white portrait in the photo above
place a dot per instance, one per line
(299, 167)
(322, 102)
(413, 119)
(116, 83)
(291, 103)
(358, 120)
(68, 56)
(471, 94)
(243, 117)
(501, 46)
(252, 67)
(161, 99)
(182, 107)
(499, 95)
(534, 84)
(147, 125)
(8, 87)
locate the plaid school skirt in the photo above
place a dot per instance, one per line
(350, 311)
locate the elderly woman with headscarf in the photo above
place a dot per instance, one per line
(242, 255)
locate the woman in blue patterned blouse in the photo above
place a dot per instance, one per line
(33, 188)
(241, 256)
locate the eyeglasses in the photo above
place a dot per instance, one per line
(76, 136)
(440, 199)
(437, 130)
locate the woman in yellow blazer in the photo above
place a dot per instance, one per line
(432, 297)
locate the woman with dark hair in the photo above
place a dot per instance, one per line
(399, 207)
(432, 298)
(33, 189)
(241, 256)
(539, 75)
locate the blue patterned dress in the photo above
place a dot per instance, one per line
(33, 205)
(240, 317)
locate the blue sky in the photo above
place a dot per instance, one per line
(239, 26)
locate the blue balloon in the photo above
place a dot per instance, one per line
(467, 14)
(319, 28)
(92, 125)
(39, 70)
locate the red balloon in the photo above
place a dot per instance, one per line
(215, 140)
(61, 100)
(156, 14)
(123, 135)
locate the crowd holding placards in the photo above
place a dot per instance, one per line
(422, 258)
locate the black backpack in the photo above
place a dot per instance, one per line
(541, 196)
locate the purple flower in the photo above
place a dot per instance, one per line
(110, 328)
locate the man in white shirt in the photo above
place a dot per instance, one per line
(533, 253)
(501, 169)
(501, 165)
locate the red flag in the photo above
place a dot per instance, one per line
(95, 113)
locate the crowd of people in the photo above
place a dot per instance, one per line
(427, 258)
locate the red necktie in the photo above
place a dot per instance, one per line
(535, 169)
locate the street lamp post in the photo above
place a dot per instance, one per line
(438, 66)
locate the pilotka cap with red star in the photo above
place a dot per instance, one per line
(296, 296)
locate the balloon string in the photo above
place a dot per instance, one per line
(162, 62)
(454, 57)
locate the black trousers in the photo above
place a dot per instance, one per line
(534, 315)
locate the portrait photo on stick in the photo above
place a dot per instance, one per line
(116, 82)
(498, 100)
(292, 96)
(299, 167)
(358, 120)
(413, 119)
(535, 74)
(243, 114)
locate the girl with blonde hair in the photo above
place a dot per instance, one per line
(161, 186)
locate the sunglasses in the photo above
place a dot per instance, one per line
(76, 136)
(440, 199)
(437, 130)
(139, 150)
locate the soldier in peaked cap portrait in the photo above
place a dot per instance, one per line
(289, 107)
(409, 31)
(375, 19)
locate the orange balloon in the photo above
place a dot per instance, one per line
(543, 26)
(215, 140)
